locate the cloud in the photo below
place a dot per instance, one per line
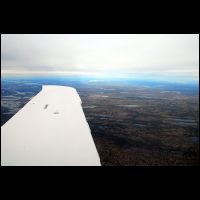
(158, 54)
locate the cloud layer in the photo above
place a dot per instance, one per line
(156, 54)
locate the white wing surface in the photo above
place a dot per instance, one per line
(50, 129)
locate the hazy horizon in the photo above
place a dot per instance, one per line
(172, 58)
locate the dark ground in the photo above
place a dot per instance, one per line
(161, 128)
(131, 124)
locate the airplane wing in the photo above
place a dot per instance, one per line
(51, 129)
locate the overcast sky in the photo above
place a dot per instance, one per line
(150, 54)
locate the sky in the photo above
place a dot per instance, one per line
(146, 55)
